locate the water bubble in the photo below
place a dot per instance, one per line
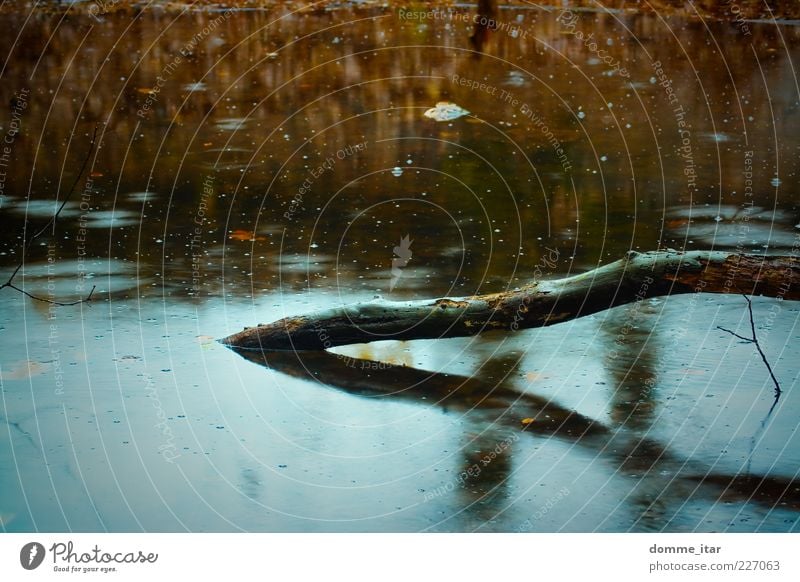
(581, 115)
(776, 182)
(397, 171)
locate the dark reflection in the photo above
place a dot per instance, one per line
(629, 335)
(754, 488)
(483, 476)
(666, 481)
(485, 23)
(487, 454)
(491, 403)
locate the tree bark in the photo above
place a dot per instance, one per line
(540, 303)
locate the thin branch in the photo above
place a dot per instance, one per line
(754, 340)
(52, 223)
(758, 347)
(741, 337)
(50, 301)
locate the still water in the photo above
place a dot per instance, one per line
(257, 164)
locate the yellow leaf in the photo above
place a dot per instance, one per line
(25, 369)
(534, 376)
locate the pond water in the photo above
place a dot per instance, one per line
(257, 164)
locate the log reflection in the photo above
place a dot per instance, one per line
(667, 480)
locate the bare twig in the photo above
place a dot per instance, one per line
(754, 340)
(52, 223)
(50, 301)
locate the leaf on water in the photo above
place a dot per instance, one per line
(25, 369)
(244, 235)
(526, 421)
(445, 111)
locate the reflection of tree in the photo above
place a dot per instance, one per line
(630, 361)
(487, 448)
(495, 410)
(485, 23)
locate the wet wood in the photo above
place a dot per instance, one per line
(636, 277)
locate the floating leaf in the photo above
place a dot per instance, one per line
(244, 235)
(534, 376)
(25, 369)
(527, 421)
(445, 111)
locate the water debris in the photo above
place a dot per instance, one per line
(245, 235)
(193, 87)
(446, 111)
(231, 124)
(515, 79)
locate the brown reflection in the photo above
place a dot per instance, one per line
(269, 94)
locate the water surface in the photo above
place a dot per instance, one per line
(273, 169)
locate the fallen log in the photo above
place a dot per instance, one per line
(541, 303)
